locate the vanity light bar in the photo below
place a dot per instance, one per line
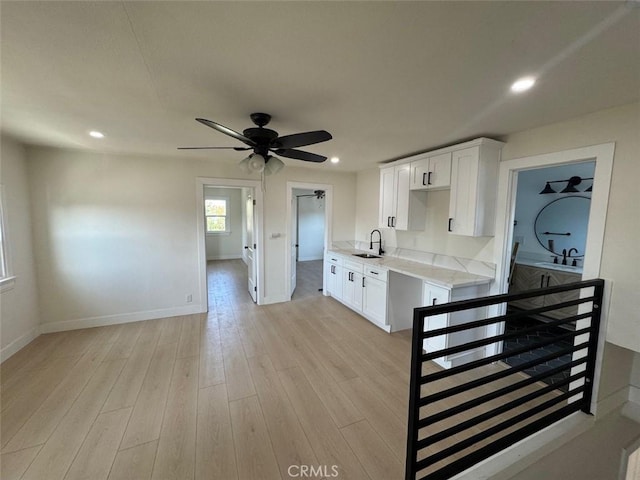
(570, 188)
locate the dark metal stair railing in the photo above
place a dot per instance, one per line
(530, 411)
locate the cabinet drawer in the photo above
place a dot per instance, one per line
(334, 259)
(353, 266)
(376, 272)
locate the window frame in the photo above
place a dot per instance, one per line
(227, 221)
(7, 279)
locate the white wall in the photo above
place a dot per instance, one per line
(310, 225)
(19, 312)
(116, 234)
(226, 246)
(621, 254)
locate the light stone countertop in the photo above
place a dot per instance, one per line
(439, 276)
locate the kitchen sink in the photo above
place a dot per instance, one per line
(365, 255)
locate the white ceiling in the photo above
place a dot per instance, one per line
(387, 79)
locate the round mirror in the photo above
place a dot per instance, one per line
(562, 225)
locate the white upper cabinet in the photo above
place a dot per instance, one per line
(469, 169)
(474, 181)
(431, 173)
(400, 208)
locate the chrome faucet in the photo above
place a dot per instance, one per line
(379, 242)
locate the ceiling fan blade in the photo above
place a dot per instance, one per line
(300, 155)
(238, 149)
(302, 139)
(227, 131)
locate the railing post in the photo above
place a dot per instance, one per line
(594, 335)
(414, 394)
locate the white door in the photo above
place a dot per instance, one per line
(250, 250)
(294, 243)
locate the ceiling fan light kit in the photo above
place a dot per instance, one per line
(264, 140)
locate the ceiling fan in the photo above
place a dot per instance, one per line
(264, 141)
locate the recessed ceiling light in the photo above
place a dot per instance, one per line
(523, 84)
(96, 134)
(335, 159)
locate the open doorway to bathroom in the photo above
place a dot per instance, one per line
(549, 240)
(308, 222)
(507, 236)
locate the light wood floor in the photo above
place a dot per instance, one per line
(243, 392)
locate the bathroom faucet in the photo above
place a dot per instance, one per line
(564, 256)
(379, 242)
(571, 250)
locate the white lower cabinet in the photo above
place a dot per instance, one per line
(374, 295)
(437, 295)
(352, 285)
(361, 287)
(333, 276)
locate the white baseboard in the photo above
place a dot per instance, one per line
(120, 318)
(269, 299)
(224, 257)
(19, 343)
(308, 259)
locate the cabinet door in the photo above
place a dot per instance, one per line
(439, 174)
(334, 280)
(527, 278)
(464, 192)
(435, 295)
(402, 206)
(352, 289)
(387, 197)
(555, 277)
(374, 299)
(420, 174)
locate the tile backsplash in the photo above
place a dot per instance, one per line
(437, 260)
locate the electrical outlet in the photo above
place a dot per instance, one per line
(189, 298)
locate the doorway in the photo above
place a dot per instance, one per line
(602, 157)
(229, 225)
(308, 224)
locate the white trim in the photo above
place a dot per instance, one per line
(520, 455)
(105, 320)
(19, 343)
(328, 221)
(257, 195)
(603, 155)
(7, 283)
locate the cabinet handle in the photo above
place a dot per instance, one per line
(334, 259)
(449, 229)
(362, 282)
(541, 281)
(548, 278)
(393, 221)
(388, 221)
(429, 178)
(371, 271)
(423, 174)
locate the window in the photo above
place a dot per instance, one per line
(216, 211)
(6, 279)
